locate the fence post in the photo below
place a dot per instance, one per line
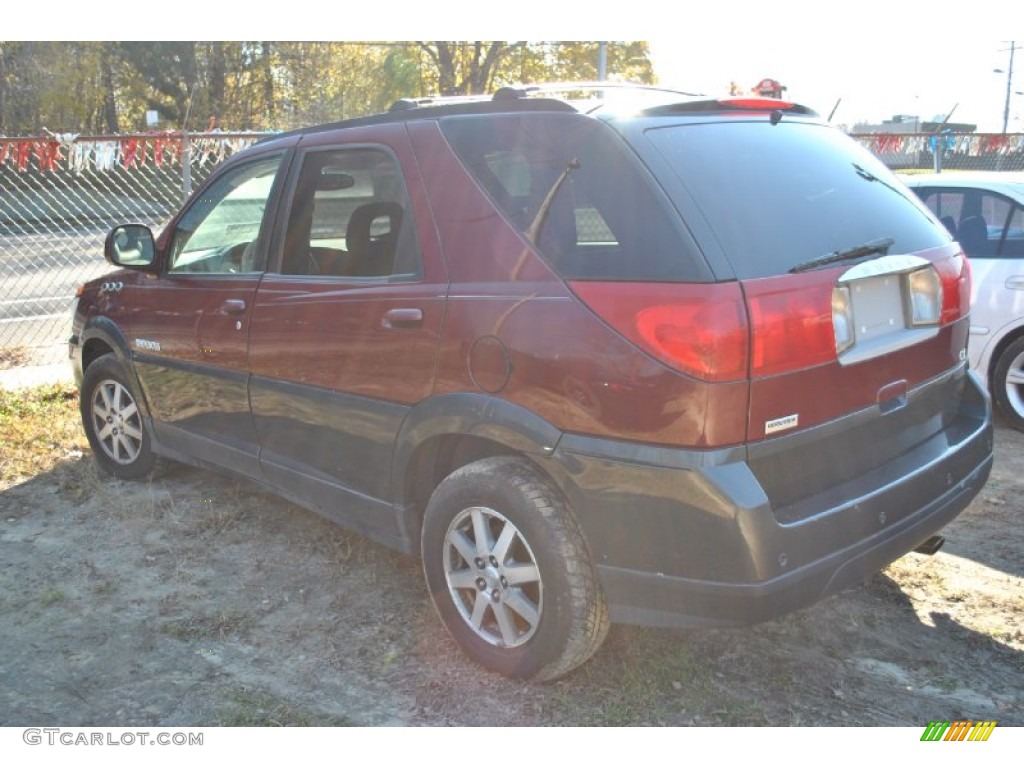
(186, 166)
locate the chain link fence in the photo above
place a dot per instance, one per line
(946, 151)
(59, 196)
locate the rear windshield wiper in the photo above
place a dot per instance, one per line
(533, 231)
(870, 248)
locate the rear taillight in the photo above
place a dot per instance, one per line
(775, 325)
(955, 275)
(698, 329)
(793, 325)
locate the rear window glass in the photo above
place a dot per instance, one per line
(779, 195)
(569, 182)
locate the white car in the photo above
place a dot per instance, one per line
(985, 213)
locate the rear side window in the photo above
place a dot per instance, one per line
(987, 224)
(570, 184)
(349, 217)
(779, 195)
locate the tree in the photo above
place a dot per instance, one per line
(106, 87)
(465, 68)
(169, 73)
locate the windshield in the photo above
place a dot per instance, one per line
(778, 196)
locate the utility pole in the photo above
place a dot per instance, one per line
(602, 61)
(1009, 87)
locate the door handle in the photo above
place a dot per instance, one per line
(405, 317)
(1015, 283)
(234, 306)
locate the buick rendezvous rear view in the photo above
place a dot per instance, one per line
(694, 364)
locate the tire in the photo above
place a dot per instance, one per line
(1008, 384)
(112, 421)
(509, 572)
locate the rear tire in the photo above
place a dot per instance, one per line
(113, 422)
(1008, 383)
(509, 572)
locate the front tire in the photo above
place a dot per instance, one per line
(509, 572)
(1008, 383)
(113, 422)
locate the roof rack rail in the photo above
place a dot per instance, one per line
(542, 89)
(510, 92)
(435, 101)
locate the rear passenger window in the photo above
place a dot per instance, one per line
(349, 217)
(986, 224)
(569, 184)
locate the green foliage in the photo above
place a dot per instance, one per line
(107, 87)
(38, 428)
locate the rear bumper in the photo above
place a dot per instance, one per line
(685, 539)
(654, 599)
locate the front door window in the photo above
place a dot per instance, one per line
(219, 232)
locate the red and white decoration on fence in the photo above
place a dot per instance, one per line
(104, 153)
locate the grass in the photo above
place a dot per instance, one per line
(51, 596)
(641, 677)
(245, 707)
(221, 625)
(39, 427)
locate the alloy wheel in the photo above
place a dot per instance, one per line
(492, 576)
(116, 421)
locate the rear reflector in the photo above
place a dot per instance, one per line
(698, 329)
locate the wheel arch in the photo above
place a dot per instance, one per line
(449, 431)
(102, 336)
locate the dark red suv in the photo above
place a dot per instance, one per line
(696, 363)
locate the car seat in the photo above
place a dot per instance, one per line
(973, 236)
(373, 254)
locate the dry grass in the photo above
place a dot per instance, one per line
(39, 427)
(237, 609)
(14, 357)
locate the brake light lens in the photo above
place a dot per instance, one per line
(752, 102)
(955, 276)
(792, 322)
(697, 329)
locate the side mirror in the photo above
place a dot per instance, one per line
(130, 245)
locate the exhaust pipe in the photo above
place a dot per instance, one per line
(931, 546)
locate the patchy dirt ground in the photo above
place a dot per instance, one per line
(198, 600)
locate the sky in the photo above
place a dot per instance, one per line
(873, 72)
(877, 58)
